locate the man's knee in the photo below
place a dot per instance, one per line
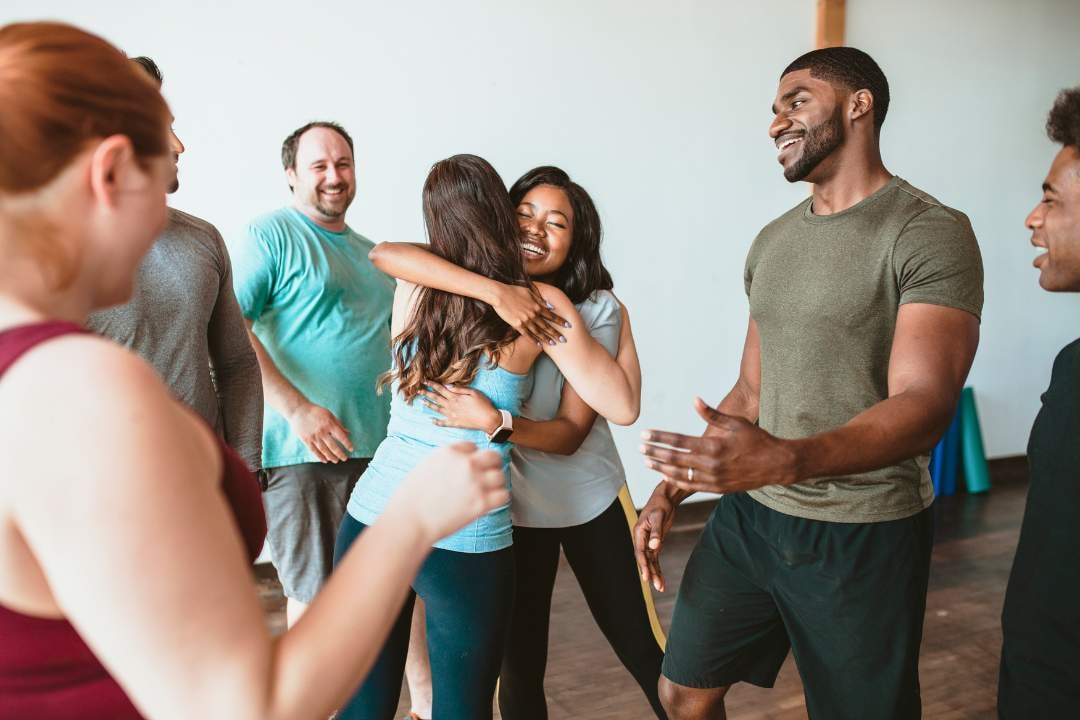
(687, 703)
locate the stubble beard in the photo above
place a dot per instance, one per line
(819, 143)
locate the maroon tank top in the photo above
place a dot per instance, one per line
(46, 670)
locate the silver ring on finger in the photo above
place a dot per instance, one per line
(689, 474)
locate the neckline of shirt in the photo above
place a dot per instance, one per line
(810, 216)
(319, 228)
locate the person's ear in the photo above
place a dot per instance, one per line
(113, 166)
(861, 102)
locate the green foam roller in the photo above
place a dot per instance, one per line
(976, 471)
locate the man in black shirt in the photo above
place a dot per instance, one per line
(1040, 655)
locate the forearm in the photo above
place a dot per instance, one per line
(896, 429)
(598, 379)
(419, 266)
(319, 662)
(239, 384)
(559, 436)
(241, 391)
(280, 394)
(741, 401)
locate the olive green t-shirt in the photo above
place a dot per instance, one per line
(824, 291)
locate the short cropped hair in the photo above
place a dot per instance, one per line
(288, 148)
(150, 68)
(849, 68)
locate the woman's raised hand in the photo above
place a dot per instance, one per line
(523, 309)
(452, 487)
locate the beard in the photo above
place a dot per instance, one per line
(337, 210)
(819, 143)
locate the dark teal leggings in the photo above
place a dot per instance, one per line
(467, 598)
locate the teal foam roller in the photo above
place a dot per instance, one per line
(976, 471)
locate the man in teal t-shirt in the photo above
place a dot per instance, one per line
(319, 316)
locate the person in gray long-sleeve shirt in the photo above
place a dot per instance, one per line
(184, 320)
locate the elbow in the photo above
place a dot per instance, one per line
(377, 256)
(628, 415)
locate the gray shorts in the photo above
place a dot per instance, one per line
(304, 507)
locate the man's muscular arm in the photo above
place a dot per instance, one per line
(933, 348)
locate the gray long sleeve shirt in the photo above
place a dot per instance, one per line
(184, 320)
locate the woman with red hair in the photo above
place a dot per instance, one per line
(127, 531)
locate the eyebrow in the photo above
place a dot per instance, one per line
(335, 161)
(788, 95)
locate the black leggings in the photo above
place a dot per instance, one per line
(467, 597)
(601, 554)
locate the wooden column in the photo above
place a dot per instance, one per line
(830, 23)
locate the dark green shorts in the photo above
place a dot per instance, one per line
(847, 598)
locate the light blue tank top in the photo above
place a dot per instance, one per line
(411, 436)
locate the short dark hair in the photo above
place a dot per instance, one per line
(583, 271)
(288, 148)
(1063, 122)
(150, 68)
(849, 68)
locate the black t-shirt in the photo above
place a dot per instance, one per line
(1041, 619)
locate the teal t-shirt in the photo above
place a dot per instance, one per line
(322, 311)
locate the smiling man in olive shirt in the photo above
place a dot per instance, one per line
(864, 318)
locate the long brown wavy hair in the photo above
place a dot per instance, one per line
(471, 223)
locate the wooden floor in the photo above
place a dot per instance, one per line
(975, 542)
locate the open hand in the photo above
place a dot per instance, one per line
(461, 407)
(732, 456)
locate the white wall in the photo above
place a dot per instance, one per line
(971, 84)
(659, 109)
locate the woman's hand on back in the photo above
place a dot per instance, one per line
(452, 487)
(461, 407)
(525, 310)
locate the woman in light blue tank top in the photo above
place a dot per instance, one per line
(441, 338)
(568, 484)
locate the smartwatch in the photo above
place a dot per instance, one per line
(505, 429)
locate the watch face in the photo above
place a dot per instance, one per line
(502, 435)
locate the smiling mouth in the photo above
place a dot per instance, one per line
(532, 251)
(785, 143)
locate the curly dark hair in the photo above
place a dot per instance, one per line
(583, 271)
(471, 223)
(1063, 122)
(848, 68)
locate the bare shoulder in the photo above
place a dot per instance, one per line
(405, 295)
(84, 400)
(81, 368)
